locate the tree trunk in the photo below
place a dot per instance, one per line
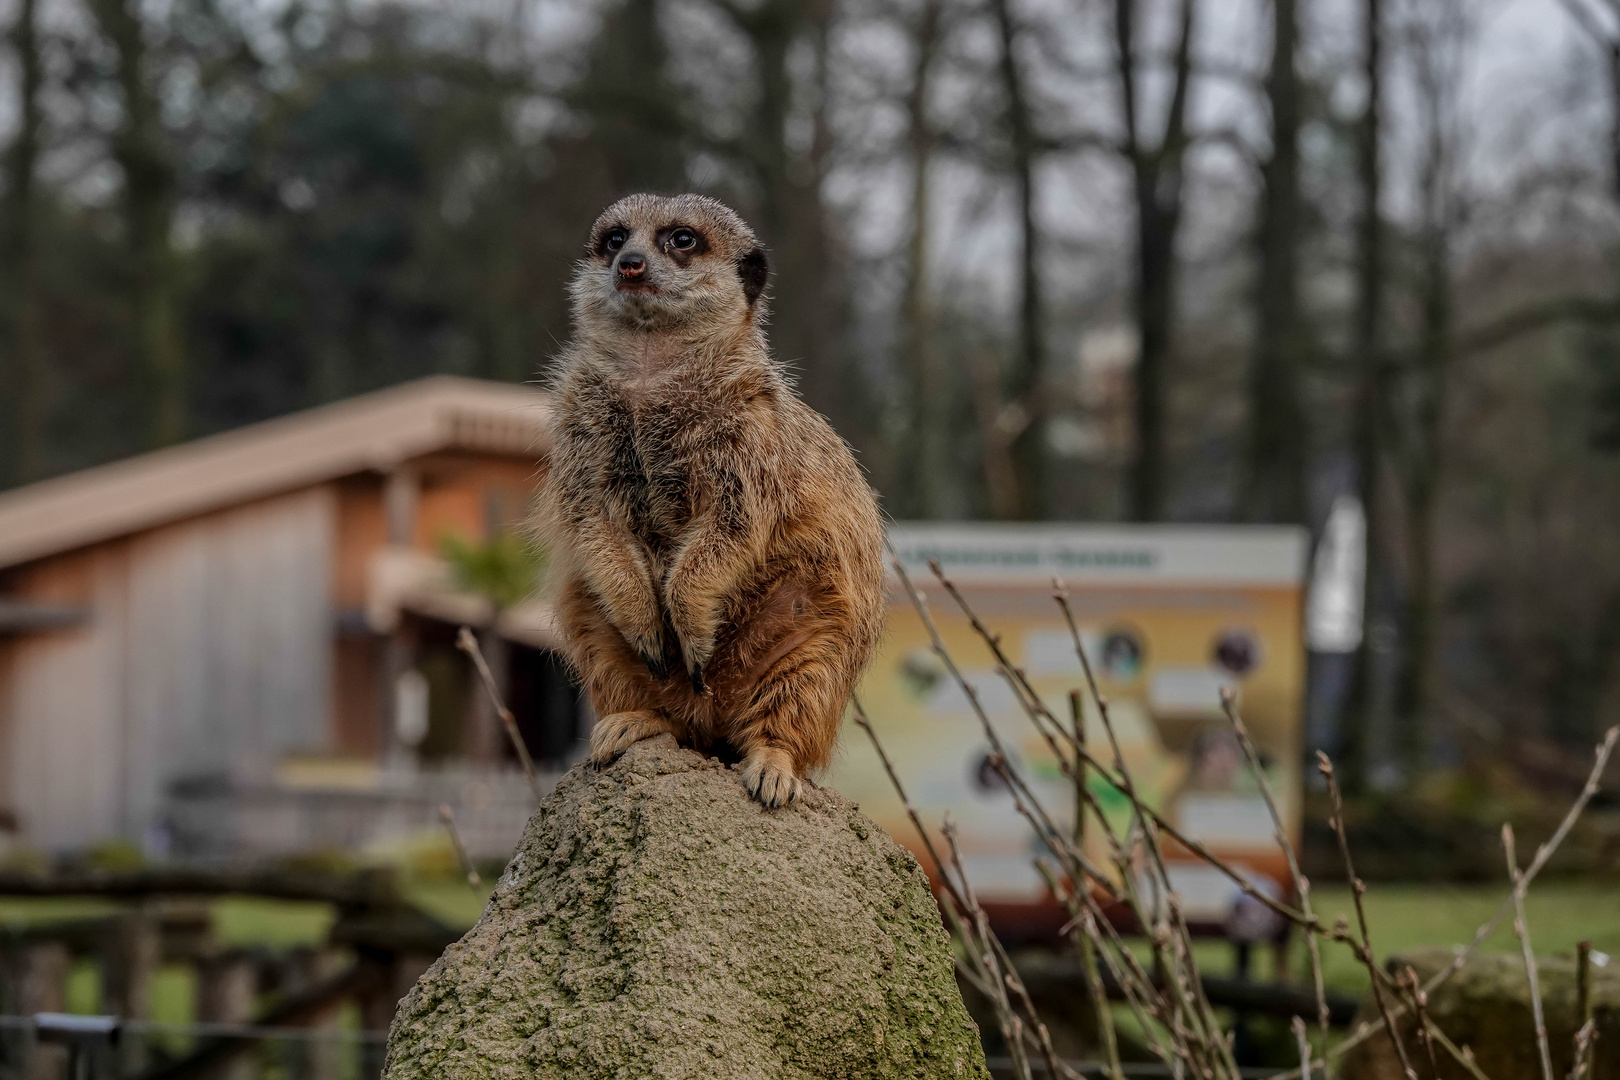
(1422, 450)
(1370, 396)
(1157, 184)
(1613, 49)
(1026, 385)
(792, 217)
(22, 248)
(922, 453)
(1276, 473)
(148, 197)
(1415, 697)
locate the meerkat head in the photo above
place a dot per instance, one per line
(660, 262)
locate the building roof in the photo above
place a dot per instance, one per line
(372, 432)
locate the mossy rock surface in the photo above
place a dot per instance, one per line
(1486, 1007)
(657, 923)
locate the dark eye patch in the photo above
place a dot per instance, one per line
(612, 240)
(682, 243)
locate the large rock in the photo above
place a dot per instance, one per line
(656, 922)
(1486, 1007)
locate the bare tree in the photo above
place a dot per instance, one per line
(21, 239)
(1028, 373)
(148, 209)
(788, 179)
(1371, 378)
(922, 449)
(1438, 40)
(1277, 449)
(1600, 21)
(1157, 172)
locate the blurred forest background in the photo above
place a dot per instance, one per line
(1142, 260)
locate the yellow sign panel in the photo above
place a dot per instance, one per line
(1168, 617)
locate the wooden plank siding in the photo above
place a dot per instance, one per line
(64, 741)
(209, 647)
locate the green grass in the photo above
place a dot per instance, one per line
(1401, 917)
(32, 912)
(1406, 917)
(241, 921)
(455, 903)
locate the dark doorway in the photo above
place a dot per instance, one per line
(547, 706)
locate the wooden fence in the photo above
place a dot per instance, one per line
(377, 947)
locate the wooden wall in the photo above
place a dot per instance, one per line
(221, 642)
(209, 647)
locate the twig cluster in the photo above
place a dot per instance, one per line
(1165, 995)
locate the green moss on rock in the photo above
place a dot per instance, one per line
(656, 922)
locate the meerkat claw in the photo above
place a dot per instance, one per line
(698, 685)
(613, 735)
(769, 777)
(656, 666)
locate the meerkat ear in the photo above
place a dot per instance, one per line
(753, 271)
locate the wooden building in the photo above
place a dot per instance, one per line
(252, 612)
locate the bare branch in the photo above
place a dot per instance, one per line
(1488, 927)
(1363, 949)
(447, 816)
(1302, 884)
(1521, 929)
(467, 642)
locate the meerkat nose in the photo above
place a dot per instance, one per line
(631, 265)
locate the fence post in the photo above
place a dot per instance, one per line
(319, 1058)
(129, 959)
(35, 977)
(227, 993)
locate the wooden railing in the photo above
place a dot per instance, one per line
(377, 947)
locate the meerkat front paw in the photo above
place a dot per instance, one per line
(695, 654)
(769, 776)
(612, 735)
(649, 646)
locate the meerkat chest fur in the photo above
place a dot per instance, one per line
(655, 452)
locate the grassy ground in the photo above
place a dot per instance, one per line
(1401, 916)
(1560, 914)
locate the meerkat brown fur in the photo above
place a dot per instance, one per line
(717, 552)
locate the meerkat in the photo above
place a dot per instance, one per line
(717, 552)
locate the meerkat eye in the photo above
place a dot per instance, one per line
(614, 240)
(683, 239)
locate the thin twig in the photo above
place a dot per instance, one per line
(1488, 927)
(1363, 950)
(865, 725)
(1099, 997)
(1461, 1055)
(1585, 1037)
(1077, 717)
(1409, 984)
(1122, 964)
(1586, 1033)
(1521, 929)
(467, 867)
(1304, 1048)
(1012, 1027)
(467, 642)
(1302, 884)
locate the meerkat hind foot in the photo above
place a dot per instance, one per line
(612, 735)
(768, 776)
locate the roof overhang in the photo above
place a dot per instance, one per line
(373, 432)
